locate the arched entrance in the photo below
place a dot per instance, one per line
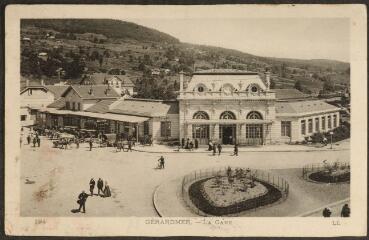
(227, 131)
(254, 132)
(201, 131)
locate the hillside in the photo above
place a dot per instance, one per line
(108, 27)
(75, 47)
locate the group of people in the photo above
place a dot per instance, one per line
(189, 144)
(214, 147)
(34, 138)
(345, 211)
(102, 191)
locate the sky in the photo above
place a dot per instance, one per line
(302, 38)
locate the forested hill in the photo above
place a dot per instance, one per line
(108, 27)
(66, 50)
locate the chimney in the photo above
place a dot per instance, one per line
(267, 78)
(181, 81)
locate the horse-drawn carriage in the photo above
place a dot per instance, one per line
(64, 140)
(108, 140)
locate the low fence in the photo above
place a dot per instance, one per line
(317, 167)
(258, 175)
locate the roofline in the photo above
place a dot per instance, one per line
(57, 86)
(225, 73)
(37, 86)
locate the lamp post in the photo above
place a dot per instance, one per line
(331, 133)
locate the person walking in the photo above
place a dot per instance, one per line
(90, 143)
(345, 212)
(214, 149)
(183, 142)
(82, 197)
(100, 185)
(107, 192)
(235, 151)
(38, 141)
(34, 141)
(161, 162)
(210, 146)
(219, 148)
(196, 143)
(187, 143)
(77, 142)
(130, 146)
(92, 186)
(191, 145)
(28, 139)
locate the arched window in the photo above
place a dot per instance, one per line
(254, 115)
(201, 115)
(227, 115)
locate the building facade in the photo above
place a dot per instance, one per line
(223, 106)
(230, 106)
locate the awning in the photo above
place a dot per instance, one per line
(107, 116)
(228, 121)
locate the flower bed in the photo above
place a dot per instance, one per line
(325, 176)
(264, 194)
(221, 193)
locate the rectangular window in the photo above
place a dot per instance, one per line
(146, 128)
(79, 106)
(286, 128)
(303, 127)
(310, 125)
(165, 129)
(73, 106)
(67, 105)
(323, 123)
(335, 121)
(23, 117)
(329, 122)
(317, 127)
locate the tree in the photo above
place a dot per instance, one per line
(101, 59)
(328, 86)
(298, 85)
(272, 84)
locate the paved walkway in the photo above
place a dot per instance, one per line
(338, 146)
(52, 178)
(305, 199)
(168, 201)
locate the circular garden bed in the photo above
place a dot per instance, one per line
(325, 176)
(218, 196)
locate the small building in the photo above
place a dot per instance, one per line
(155, 71)
(122, 84)
(35, 97)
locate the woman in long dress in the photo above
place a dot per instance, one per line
(107, 192)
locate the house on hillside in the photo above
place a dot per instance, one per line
(122, 84)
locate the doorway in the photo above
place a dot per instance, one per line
(227, 134)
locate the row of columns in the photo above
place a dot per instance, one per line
(214, 131)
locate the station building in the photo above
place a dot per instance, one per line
(221, 105)
(230, 106)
